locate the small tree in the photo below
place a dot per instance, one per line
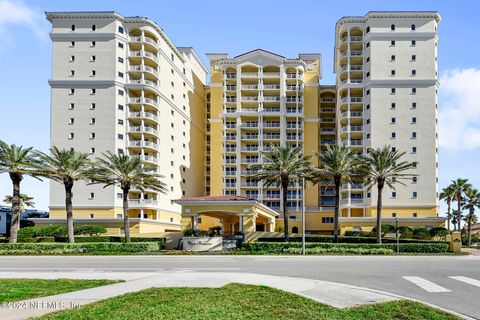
(283, 166)
(25, 202)
(338, 164)
(18, 162)
(126, 172)
(65, 166)
(384, 167)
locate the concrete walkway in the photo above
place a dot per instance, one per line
(331, 293)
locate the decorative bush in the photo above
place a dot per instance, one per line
(90, 230)
(421, 233)
(406, 232)
(353, 233)
(439, 232)
(78, 248)
(280, 247)
(386, 229)
(345, 239)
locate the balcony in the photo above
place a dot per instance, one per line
(231, 87)
(250, 125)
(294, 99)
(249, 185)
(151, 159)
(271, 137)
(142, 203)
(250, 149)
(295, 76)
(249, 98)
(352, 81)
(271, 98)
(356, 53)
(352, 100)
(230, 185)
(143, 68)
(294, 137)
(353, 202)
(144, 54)
(328, 142)
(231, 99)
(272, 196)
(327, 120)
(249, 74)
(250, 160)
(328, 100)
(271, 87)
(356, 142)
(271, 125)
(231, 75)
(294, 110)
(351, 128)
(271, 109)
(327, 130)
(250, 110)
(249, 86)
(271, 74)
(143, 82)
(250, 137)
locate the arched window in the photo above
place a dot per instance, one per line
(294, 230)
(392, 27)
(413, 27)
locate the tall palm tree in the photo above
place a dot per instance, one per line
(126, 172)
(338, 164)
(65, 166)
(472, 201)
(459, 186)
(18, 162)
(454, 219)
(382, 167)
(25, 202)
(447, 194)
(283, 165)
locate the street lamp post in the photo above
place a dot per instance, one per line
(303, 216)
(397, 235)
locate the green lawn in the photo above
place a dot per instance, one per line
(237, 301)
(22, 289)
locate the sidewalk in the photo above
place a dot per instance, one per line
(331, 293)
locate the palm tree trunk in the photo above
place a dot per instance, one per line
(469, 226)
(448, 214)
(126, 223)
(285, 211)
(68, 206)
(337, 209)
(379, 211)
(459, 213)
(15, 220)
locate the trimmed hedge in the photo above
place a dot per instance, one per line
(77, 248)
(345, 239)
(342, 250)
(283, 247)
(80, 239)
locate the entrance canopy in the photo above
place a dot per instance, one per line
(233, 213)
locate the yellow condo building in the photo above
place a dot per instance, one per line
(119, 84)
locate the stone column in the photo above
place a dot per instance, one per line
(240, 223)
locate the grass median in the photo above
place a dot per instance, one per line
(22, 289)
(236, 301)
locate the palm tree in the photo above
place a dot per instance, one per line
(459, 186)
(338, 164)
(25, 201)
(447, 194)
(65, 166)
(127, 172)
(454, 219)
(383, 166)
(18, 162)
(282, 165)
(472, 201)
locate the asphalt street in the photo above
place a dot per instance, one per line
(450, 282)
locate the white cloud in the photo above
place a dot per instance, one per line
(459, 113)
(17, 14)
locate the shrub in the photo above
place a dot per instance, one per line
(90, 230)
(279, 229)
(353, 233)
(340, 250)
(28, 233)
(56, 231)
(439, 232)
(345, 239)
(421, 233)
(405, 232)
(280, 247)
(77, 248)
(386, 229)
(161, 241)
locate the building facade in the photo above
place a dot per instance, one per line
(120, 85)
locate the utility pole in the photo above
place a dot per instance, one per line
(303, 216)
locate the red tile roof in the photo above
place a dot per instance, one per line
(217, 198)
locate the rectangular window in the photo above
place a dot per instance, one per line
(120, 121)
(72, 44)
(392, 90)
(93, 91)
(92, 106)
(72, 73)
(393, 120)
(93, 73)
(392, 58)
(120, 45)
(414, 179)
(120, 92)
(414, 43)
(414, 90)
(92, 195)
(92, 135)
(71, 135)
(414, 135)
(392, 43)
(414, 72)
(393, 105)
(120, 59)
(92, 120)
(414, 149)
(414, 120)
(120, 136)
(119, 195)
(414, 57)
(120, 107)
(392, 72)
(120, 74)
(72, 106)
(72, 27)
(72, 58)
(414, 194)
(414, 214)
(92, 150)
(94, 27)
(71, 121)
(394, 194)
(393, 135)
(394, 215)
(414, 105)
(93, 43)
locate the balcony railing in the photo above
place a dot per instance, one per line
(294, 99)
(249, 74)
(271, 98)
(327, 99)
(271, 74)
(271, 109)
(250, 125)
(271, 86)
(231, 75)
(249, 98)
(142, 203)
(271, 124)
(249, 87)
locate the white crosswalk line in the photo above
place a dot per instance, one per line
(426, 285)
(468, 280)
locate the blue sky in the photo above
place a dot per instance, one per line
(236, 27)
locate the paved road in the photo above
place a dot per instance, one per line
(449, 282)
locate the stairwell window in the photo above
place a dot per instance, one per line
(93, 73)
(392, 105)
(71, 121)
(414, 120)
(414, 57)
(92, 120)
(414, 149)
(414, 135)
(71, 136)
(413, 43)
(92, 106)
(94, 27)
(414, 179)
(92, 150)
(93, 58)
(414, 105)
(93, 91)
(414, 194)
(72, 27)
(120, 30)
(392, 27)
(92, 135)
(92, 196)
(392, 90)
(93, 43)
(72, 91)
(394, 194)
(72, 44)
(414, 90)
(72, 73)
(414, 72)
(393, 120)
(392, 72)
(72, 58)
(72, 106)
(392, 43)
(412, 27)
(392, 57)
(393, 135)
